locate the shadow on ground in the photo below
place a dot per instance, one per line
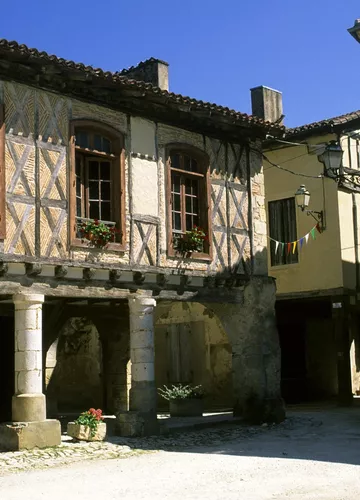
(329, 436)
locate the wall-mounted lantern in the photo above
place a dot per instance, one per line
(355, 30)
(302, 197)
(332, 158)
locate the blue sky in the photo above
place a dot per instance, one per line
(217, 50)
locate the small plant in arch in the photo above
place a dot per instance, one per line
(180, 391)
(191, 241)
(90, 418)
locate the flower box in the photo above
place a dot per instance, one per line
(83, 432)
(186, 407)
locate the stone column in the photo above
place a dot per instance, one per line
(28, 403)
(142, 354)
(141, 420)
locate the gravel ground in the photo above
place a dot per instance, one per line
(311, 455)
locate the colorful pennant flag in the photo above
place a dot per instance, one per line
(291, 246)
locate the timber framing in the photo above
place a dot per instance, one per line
(78, 280)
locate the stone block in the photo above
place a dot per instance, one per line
(83, 432)
(28, 407)
(29, 382)
(28, 340)
(142, 355)
(143, 372)
(28, 360)
(137, 424)
(29, 435)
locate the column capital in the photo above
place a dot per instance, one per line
(28, 298)
(138, 302)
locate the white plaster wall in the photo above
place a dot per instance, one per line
(145, 187)
(143, 136)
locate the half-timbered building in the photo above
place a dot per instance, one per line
(105, 320)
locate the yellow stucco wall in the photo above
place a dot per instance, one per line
(319, 266)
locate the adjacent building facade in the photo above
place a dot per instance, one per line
(105, 320)
(318, 277)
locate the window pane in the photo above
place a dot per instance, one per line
(94, 210)
(97, 142)
(177, 221)
(93, 190)
(82, 139)
(105, 191)
(175, 161)
(194, 165)
(78, 207)
(195, 206)
(105, 211)
(189, 222)
(93, 170)
(176, 183)
(188, 204)
(106, 145)
(188, 186)
(105, 170)
(176, 202)
(78, 166)
(187, 163)
(78, 186)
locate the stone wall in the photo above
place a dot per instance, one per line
(74, 372)
(191, 347)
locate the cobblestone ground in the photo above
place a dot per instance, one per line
(115, 447)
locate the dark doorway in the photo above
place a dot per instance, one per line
(7, 381)
(292, 338)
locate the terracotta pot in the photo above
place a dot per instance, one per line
(83, 432)
(191, 407)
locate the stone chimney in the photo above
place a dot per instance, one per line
(267, 104)
(152, 71)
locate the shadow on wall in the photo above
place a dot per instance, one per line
(74, 367)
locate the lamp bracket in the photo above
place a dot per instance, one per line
(318, 216)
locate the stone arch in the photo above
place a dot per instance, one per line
(192, 346)
(74, 367)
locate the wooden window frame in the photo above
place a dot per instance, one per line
(2, 175)
(204, 195)
(118, 197)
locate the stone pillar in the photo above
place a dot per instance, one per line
(142, 354)
(251, 328)
(142, 418)
(28, 403)
(29, 428)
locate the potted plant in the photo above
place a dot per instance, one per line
(184, 400)
(191, 241)
(89, 426)
(97, 233)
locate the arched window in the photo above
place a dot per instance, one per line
(188, 185)
(97, 183)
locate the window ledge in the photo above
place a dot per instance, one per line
(110, 247)
(285, 266)
(195, 256)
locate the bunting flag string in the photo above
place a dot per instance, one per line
(291, 246)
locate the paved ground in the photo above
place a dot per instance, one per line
(313, 455)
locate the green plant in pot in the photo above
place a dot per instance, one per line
(89, 426)
(191, 241)
(97, 233)
(184, 400)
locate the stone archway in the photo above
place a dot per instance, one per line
(74, 367)
(192, 346)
